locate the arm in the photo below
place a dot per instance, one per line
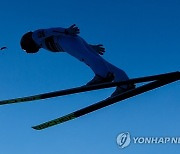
(41, 34)
(72, 30)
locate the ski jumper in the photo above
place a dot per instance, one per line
(56, 40)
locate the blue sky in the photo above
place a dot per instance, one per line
(141, 37)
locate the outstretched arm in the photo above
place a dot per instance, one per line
(72, 30)
(98, 48)
(41, 34)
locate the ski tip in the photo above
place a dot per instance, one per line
(54, 122)
(36, 128)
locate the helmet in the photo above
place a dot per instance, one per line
(28, 44)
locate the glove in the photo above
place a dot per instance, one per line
(72, 30)
(98, 48)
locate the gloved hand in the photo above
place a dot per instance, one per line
(72, 30)
(98, 48)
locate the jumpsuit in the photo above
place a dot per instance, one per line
(56, 40)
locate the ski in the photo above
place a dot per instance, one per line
(107, 102)
(89, 88)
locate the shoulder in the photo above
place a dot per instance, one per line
(40, 33)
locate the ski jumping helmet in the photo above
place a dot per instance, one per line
(28, 44)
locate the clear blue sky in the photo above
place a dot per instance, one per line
(141, 37)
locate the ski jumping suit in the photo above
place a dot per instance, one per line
(56, 40)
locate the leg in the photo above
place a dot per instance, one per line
(79, 49)
(100, 66)
(119, 74)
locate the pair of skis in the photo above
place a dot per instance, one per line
(155, 82)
